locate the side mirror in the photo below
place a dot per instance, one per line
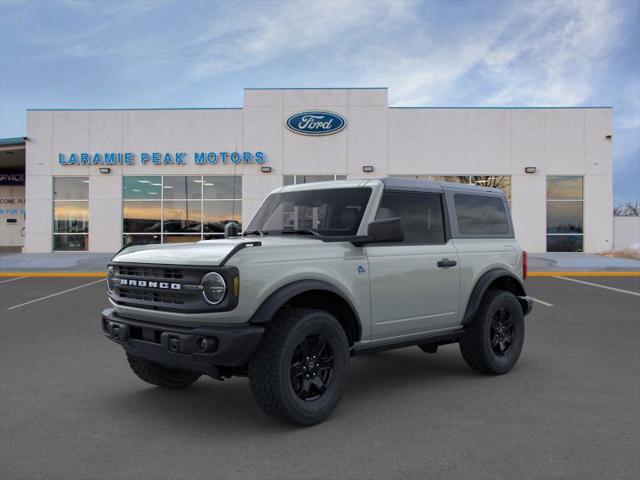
(231, 229)
(386, 230)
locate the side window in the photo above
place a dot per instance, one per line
(421, 213)
(481, 215)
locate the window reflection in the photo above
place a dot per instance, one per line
(129, 239)
(298, 179)
(564, 213)
(70, 213)
(180, 238)
(186, 187)
(481, 215)
(564, 217)
(71, 188)
(182, 216)
(222, 187)
(220, 212)
(140, 217)
(564, 188)
(162, 209)
(62, 243)
(420, 213)
(314, 178)
(142, 187)
(71, 217)
(564, 243)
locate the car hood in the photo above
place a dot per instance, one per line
(206, 253)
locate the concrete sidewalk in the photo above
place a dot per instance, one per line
(71, 262)
(579, 262)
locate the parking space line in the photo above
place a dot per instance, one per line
(546, 304)
(12, 279)
(629, 292)
(55, 294)
(54, 274)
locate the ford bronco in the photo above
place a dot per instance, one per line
(324, 272)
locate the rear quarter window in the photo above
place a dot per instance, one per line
(481, 215)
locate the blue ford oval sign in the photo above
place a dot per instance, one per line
(316, 122)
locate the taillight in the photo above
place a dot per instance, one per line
(524, 265)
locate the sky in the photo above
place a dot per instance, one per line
(134, 54)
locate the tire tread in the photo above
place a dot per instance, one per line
(475, 351)
(263, 367)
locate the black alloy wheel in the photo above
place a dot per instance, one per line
(312, 367)
(501, 333)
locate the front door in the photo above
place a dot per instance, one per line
(415, 283)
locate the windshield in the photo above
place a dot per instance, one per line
(330, 212)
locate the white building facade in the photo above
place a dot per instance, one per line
(99, 179)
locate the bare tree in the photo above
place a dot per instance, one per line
(628, 209)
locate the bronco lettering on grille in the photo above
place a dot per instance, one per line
(149, 284)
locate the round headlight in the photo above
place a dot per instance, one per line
(110, 279)
(213, 288)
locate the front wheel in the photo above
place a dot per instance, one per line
(299, 371)
(494, 339)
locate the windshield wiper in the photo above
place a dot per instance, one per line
(301, 231)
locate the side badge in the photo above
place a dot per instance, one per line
(361, 269)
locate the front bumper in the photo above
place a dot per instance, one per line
(183, 348)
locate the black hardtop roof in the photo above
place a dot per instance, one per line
(411, 184)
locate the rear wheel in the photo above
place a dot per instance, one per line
(156, 374)
(299, 371)
(494, 339)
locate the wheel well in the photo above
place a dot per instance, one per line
(506, 283)
(332, 303)
(497, 279)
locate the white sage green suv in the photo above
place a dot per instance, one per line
(324, 272)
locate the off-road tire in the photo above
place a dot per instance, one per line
(272, 367)
(156, 374)
(476, 344)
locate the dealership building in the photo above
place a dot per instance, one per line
(98, 179)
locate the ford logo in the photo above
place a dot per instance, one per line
(316, 122)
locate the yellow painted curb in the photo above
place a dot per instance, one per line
(53, 274)
(583, 274)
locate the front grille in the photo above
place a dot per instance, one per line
(163, 287)
(149, 272)
(148, 295)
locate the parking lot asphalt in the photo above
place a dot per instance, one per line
(70, 408)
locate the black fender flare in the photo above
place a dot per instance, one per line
(277, 299)
(483, 284)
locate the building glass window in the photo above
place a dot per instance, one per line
(298, 179)
(179, 208)
(565, 214)
(503, 182)
(70, 213)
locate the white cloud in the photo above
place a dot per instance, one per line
(543, 54)
(292, 28)
(528, 53)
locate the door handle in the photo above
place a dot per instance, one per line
(446, 263)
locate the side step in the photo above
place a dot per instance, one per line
(432, 340)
